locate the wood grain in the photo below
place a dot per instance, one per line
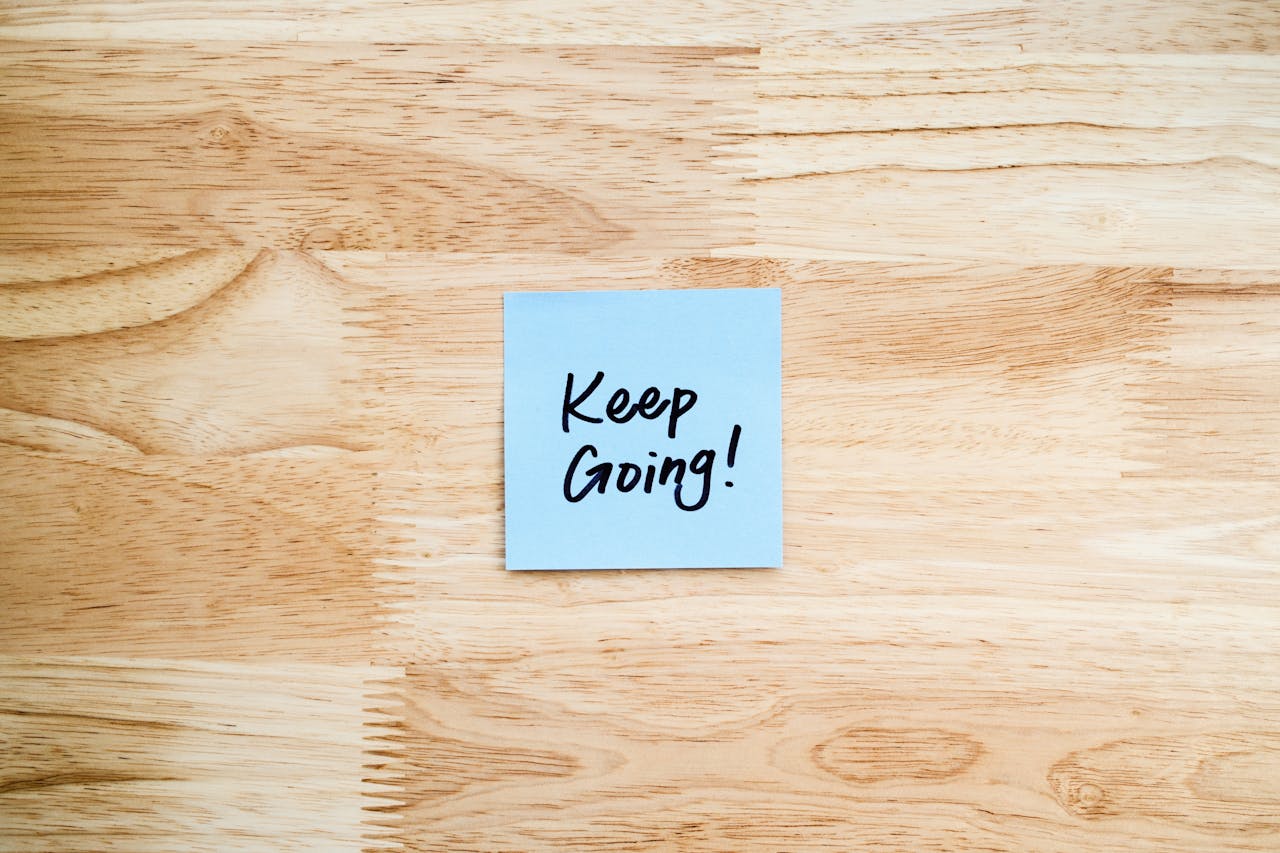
(1212, 387)
(1133, 160)
(916, 780)
(227, 560)
(143, 384)
(1186, 26)
(112, 754)
(1166, 160)
(401, 147)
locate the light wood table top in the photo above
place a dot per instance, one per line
(251, 555)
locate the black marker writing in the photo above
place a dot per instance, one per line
(690, 480)
(733, 450)
(581, 481)
(571, 404)
(619, 409)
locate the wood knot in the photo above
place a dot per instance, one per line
(1221, 782)
(870, 755)
(1087, 798)
(227, 131)
(1080, 795)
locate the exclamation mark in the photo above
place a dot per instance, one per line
(733, 450)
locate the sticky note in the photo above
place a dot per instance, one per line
(643, 429)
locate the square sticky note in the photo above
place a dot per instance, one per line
(643, 429)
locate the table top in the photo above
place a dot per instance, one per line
(251, 558)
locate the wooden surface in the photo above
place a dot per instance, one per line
(250, 412)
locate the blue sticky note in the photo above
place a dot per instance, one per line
(643, 429)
